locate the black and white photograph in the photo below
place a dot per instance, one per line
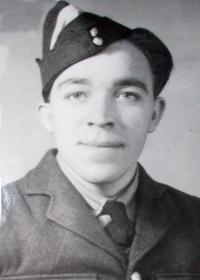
(99, 139)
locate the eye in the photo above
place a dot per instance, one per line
(75, 95)
(129, 96)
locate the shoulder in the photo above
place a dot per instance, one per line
(13, 194)
(12, 198)
(187, 205)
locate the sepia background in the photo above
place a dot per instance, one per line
(172, 153)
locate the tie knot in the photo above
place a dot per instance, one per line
(120, 228)
(117, 211)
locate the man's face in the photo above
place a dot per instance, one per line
(100, 112)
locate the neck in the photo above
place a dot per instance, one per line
(110, 190)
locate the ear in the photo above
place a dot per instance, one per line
(158, 111)
(44, 113)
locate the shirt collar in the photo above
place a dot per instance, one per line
(95, 199)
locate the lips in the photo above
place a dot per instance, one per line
(103, 144)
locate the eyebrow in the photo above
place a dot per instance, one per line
(131, 82)
(77, 81)
(119, 83)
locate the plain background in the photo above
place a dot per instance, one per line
(172, 153)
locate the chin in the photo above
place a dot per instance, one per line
(101, 175)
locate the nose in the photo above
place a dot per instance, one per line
(101, 113)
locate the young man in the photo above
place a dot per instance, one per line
(89, 210)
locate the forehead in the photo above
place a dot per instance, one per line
(120, 60)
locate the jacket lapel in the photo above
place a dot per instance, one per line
(67, 208)
(155, 210)
(155, 215)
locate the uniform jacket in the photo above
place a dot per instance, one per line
(48, 232)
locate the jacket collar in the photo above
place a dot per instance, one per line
(155, 210)
(67, 208)
(156, 213)
(43, 179)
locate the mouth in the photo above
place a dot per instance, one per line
(103, 144)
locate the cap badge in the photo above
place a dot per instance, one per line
(96, 40)
(94, 31)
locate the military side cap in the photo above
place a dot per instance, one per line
(71, 35)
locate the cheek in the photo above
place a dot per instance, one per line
(139, 114)
(66, 120)
(136, 123)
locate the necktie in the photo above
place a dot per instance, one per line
(121, 229)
